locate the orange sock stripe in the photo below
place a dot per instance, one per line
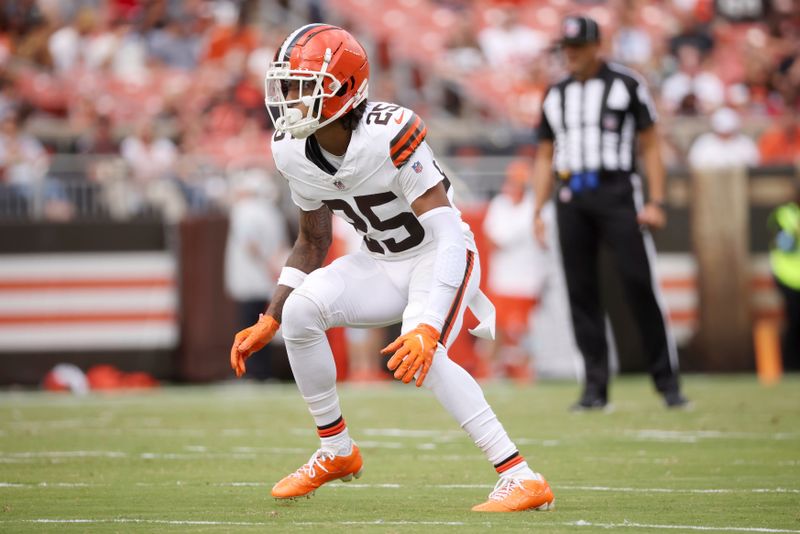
(338, 428)
(451, 315)
(502, 468)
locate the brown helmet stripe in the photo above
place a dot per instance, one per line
(285, 51)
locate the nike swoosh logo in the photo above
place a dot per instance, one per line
(399, 120)
(421, 341)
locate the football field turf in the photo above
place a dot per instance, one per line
(203, 459)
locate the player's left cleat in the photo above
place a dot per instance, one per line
(675, 400)
(323, 466)
(517, 495)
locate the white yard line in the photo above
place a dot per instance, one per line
(98, 422)
(706, 491)
(380, 445)
(380, 522)
(538, 442)
(677, 490)
(592, 488)
(450, 457)
(142, 521)
(459, 486)
(394, 523)
(191, 456)
(628, 524)
(271, 450)
(25, 456)
(349, 485)
(693, 436)
(124, 520)
(410, 433)
(64, 454)
(49, 485)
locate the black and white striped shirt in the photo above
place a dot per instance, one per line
(593, 123)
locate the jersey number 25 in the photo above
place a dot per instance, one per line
(365, 205)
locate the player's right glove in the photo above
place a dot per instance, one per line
(250, 340)
(414, 352)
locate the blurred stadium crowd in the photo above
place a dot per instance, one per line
(127, 108)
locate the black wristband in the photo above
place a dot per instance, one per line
(661, 204)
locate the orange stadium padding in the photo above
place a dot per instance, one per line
(766, 337)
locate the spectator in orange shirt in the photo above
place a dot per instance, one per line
(780, 143)
(231, 35)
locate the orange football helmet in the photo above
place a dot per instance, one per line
(323, 68)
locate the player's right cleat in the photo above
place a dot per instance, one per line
(518, 495)
(323, 466)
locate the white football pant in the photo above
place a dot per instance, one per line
(358, 290)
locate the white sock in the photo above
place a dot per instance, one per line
(521, 471)
(340, 444)
(324, 407)
(488, 434)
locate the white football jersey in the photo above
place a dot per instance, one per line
(387, 166)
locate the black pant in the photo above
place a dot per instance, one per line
(259, 365)
(790, 341)
(608, 214)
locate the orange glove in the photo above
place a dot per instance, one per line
(414, 351)
(251, 340)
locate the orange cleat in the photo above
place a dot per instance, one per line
(322, 467)
(516, 495)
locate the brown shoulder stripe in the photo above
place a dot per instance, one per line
(407, 140)
(404, 131)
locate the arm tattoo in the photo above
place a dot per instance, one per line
(308, 253)
(312, 244)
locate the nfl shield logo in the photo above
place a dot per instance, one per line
(417, 166)
(565, 194)
(339, 185)
(571, 28)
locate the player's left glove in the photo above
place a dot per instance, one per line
(413, 352)
(250, 340)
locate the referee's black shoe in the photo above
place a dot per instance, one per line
(590, 401)
(675, 400)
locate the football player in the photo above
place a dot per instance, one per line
(368, 163)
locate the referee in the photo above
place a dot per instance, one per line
(588, 137)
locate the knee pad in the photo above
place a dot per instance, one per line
(302, 319)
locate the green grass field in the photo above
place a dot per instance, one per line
(203, 459)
